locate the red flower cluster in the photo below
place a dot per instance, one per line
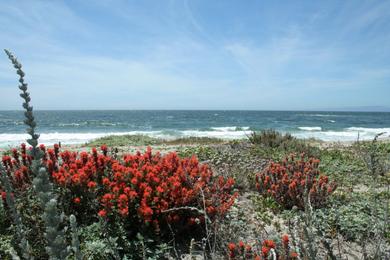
(17, 166)
(241, 250)
(158, 183)
(244, 251)
(288, 181)
(153, 188)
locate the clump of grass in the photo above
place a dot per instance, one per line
(274, 142)
(270, 138)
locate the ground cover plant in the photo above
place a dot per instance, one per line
(143, 140)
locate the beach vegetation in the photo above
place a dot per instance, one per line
(271, 139)
(124, 140)
(144, 140)
(294, 180)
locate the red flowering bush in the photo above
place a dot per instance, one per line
(288, 181)
(146, 189)
(17, 166)
(268, 248)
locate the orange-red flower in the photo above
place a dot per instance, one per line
(287, 182)
(102, 213)
(285, 240)
(147, 185)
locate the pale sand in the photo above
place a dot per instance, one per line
(168, 147)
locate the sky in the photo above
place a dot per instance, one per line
(199, 54)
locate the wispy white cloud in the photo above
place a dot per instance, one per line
(177, 54)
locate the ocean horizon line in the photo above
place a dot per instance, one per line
(227, 110)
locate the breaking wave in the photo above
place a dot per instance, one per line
(228, 133)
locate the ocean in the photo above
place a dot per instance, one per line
(76, 127)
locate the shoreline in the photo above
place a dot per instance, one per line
(143, 141)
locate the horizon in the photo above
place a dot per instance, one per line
(187, 55)
(346, 110)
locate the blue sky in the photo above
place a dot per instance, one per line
(201, 54)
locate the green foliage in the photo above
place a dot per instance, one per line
(43, 187)
(5, 236)
(6, 249)
(94, 244)
(29, 121)
(147, 248)
(194, 141)
(356, 217)
(56, 248)
(265, 208)
(236, 160)
(31, 213)
(3, 217)
(124, 140)
(273, 139)
(103, 240)
(203, 153)
(109, 241)
(20, 233)
(100, 249)
(144, 140)
(270, 138)
(344, 166)
(375, 154)
(274, 145)
(75, 238)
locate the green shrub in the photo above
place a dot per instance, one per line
(124, 140)
(270, 138)
(278, 145)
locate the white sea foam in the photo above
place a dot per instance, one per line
(224, 129)
(215, 134)
(310, 128)
(347, 134)
(230, 128)
(80, 138)
(70, 124)
(369, 130)
(66, 138)
(325, 115)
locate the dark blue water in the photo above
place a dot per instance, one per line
(81, 126)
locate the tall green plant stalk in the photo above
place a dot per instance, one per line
(56, 246)
(29, 121)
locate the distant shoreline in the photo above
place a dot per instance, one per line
(387, 110)
(142, 142)
(78, 127)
